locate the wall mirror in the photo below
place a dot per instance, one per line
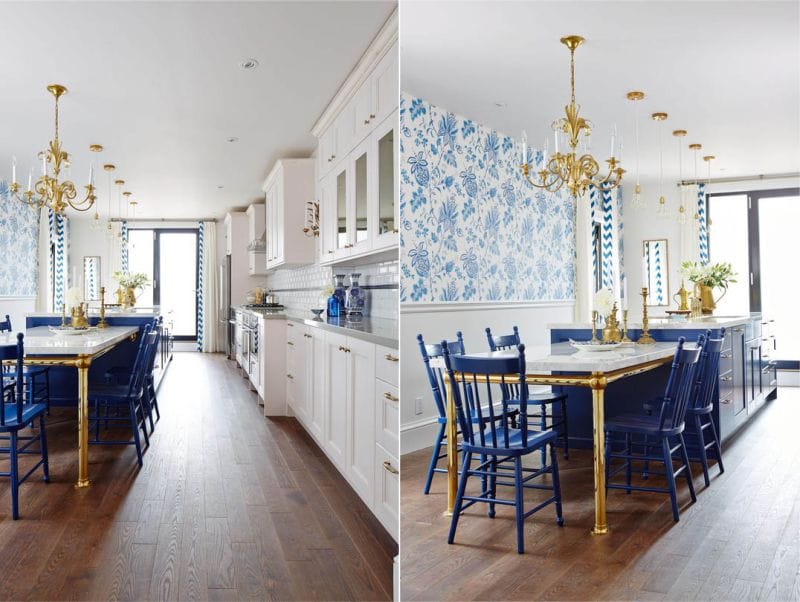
(91, 278)
(656, 268)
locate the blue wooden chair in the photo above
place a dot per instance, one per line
(496, 441)
(664, 430)
(37, 377)
(436, 379)
(125, 397)
(121, 375)
(19, 412)
(538, 402)
(698, 413)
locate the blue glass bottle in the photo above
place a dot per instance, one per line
(339, 291)
(333, 306)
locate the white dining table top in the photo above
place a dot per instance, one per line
(563, 357)
(40, 340)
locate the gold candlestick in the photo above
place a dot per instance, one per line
(645, 339)
(102, 323)
(594, 327)
(625, 338)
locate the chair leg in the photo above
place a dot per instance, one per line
(492, 485)
(628, 462)
(13, 456)
(518, 500)
(135, 429)
(148, 402)
(543, 427)
(564, 425)
(437, 448)
(462, 484)
(688, 471)
(484, 478)
(556, 486)
(717, 449)
(670, 477)
(607, 454)
(698, 427)
(155, 401)
(97, 419)
(47, 389)
(43, 445)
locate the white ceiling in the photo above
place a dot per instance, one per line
(725, 71)
(158, 84)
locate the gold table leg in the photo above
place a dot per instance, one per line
(598, 384)
(452, 448)
(83, 422)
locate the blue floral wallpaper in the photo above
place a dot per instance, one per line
(472, 229)
(19, 235)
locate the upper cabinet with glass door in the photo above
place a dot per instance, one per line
(356, 158)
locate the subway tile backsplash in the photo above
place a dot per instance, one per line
(302, 288)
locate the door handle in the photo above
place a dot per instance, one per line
(387, 466)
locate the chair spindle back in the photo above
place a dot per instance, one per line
(707, 371)
(508, 341)
(16, 394)
(436, 376)
(680, 385)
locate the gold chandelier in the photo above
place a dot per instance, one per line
(576, 172)
(49, 191)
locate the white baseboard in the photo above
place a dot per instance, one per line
(788, 378)
(418, 435)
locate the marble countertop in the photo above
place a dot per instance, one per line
(40, 340)
(133, 312)
(563, 357)
(665, 323)
(380, 331)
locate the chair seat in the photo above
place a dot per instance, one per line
(640, 424)
(110, 392)
(540, 398)
(536, 439)
(30, 412)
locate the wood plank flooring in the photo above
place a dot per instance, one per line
(740, 541)
(228, 506)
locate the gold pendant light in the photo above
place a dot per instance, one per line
(637, 200)
(662, 211)
(680, 216)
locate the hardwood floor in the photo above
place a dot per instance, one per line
(229, 506)
(740, 541)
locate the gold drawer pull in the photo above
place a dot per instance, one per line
(726, 356)
(290, 325)
(308, 336)
(345, 349)
(290, 377)
(389, 468)
(725, 401)
(391, 358)
(726, 378)
(366, 122)
(391, 397)
(290, 343)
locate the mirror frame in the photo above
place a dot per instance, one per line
(86, 296)
(650, 298)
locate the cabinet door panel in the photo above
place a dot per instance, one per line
(342, 239)
(387, 418)
(386, 502)
(319, 383)
(363, 114)
(385, 85)
(337, 398)
(359, 216)
(385, 207)
(361, 426)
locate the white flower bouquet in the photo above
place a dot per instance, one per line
(604, 302)
(74, 297)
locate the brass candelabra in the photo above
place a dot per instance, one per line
(594, 326)
(645, 339)
(102, 323)
(625, 338)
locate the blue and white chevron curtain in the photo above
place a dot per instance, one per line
(658, 295)
(592, 231)
(607, 245)
(702, 216)
(124, 247)
(200, 280)
(620, 237)
(58, 265)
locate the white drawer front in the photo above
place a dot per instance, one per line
(387, 364)
(387, 416)
(386, 504)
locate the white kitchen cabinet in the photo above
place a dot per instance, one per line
(297, 375)
(384, 206)
(386, 501)
(318, 383)
(288, 189)
(272, 336)
(256, 224)
(361, 416)
(384, 85)
(336, 400)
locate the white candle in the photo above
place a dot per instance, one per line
(91, 173)
(524, 153)
(613, 137)
(545, 152)
(555, 137)
(44, 164)
(624, 293)
(644, 272)
(13, 170)
(30, 179)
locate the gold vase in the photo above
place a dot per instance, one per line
(707, 303)
(129, 298)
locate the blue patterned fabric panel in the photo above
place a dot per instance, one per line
(200, 263)
(19, 236)
(472, 229)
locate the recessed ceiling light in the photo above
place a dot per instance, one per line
(500, 104)
(220, 187)
(233, 139)
(249, 63)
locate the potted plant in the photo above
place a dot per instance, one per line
(708, 277)
(128, 283)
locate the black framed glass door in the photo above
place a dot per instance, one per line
(169, 256)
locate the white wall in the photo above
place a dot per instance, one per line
(441, 321)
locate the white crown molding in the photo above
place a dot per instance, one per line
(376, 50)
(418, 308)
(17, 297)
